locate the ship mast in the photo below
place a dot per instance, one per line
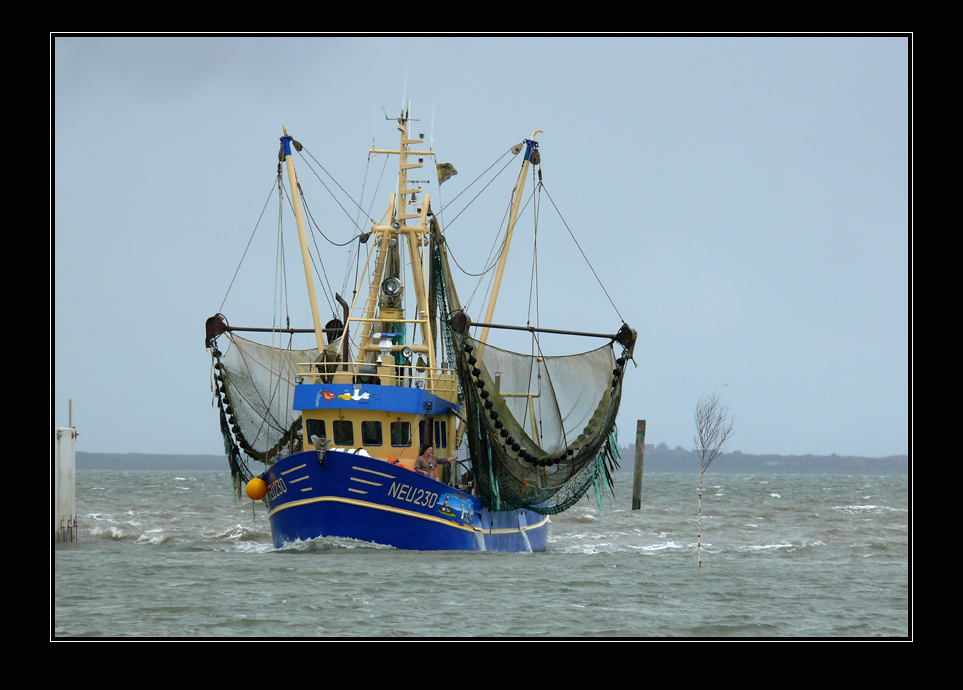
(399, 223)
(286, 142)
(530, 146)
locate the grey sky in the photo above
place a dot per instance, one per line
(745, 202)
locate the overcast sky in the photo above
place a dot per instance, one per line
(743, 201)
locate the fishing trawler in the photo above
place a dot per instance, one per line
(338, 434)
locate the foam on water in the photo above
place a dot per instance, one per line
(174, 555)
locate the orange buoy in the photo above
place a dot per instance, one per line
(256, 489)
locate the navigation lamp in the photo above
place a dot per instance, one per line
(391, 287)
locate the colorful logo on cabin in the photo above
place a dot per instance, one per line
(328, 396)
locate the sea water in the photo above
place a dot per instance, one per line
(175, 555)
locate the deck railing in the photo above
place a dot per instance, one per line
(441, 381)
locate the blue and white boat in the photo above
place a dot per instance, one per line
(327, 437)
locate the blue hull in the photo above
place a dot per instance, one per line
(358, 497)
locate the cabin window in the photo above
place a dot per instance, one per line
(424, 433)
(371, 433)
(401, 433)
(441, 434)
(314, 427)
(343, 432)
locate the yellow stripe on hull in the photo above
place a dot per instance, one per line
(409, 513)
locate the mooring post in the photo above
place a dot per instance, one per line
(639, 451)
(65, 527)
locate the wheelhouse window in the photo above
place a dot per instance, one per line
(424, 433)
(343, 432)
(371, 434)
(401, 434)
(441, 434)
(314, 427)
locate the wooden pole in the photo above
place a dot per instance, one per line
(637, 478)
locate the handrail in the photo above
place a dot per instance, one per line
(443, 380)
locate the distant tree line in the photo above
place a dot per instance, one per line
(658, 458)
(661, 458)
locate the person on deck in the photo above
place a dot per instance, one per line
(427, 462)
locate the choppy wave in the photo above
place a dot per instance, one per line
(175, 555)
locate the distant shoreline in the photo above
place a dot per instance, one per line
(655, 459)
(662, 459)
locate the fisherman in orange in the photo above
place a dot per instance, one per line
(427, 463)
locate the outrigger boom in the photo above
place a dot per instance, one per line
(332, 331)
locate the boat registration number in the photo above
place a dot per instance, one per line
(276, 488)
(405, 492)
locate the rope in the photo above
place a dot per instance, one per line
(474, 198)
(305, 151)
(277, 181)
(585, 257)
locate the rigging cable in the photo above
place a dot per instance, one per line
(277, 182)
(533, 283)
(354, 287)
(327, 282)
(304, 150)
(324, 288)
(584, 257)
(533, 288)
(503, 242)
(356, 251)
(474, 198)
(281, 276)
(317, 227)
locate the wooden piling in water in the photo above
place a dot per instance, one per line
(637, 476)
